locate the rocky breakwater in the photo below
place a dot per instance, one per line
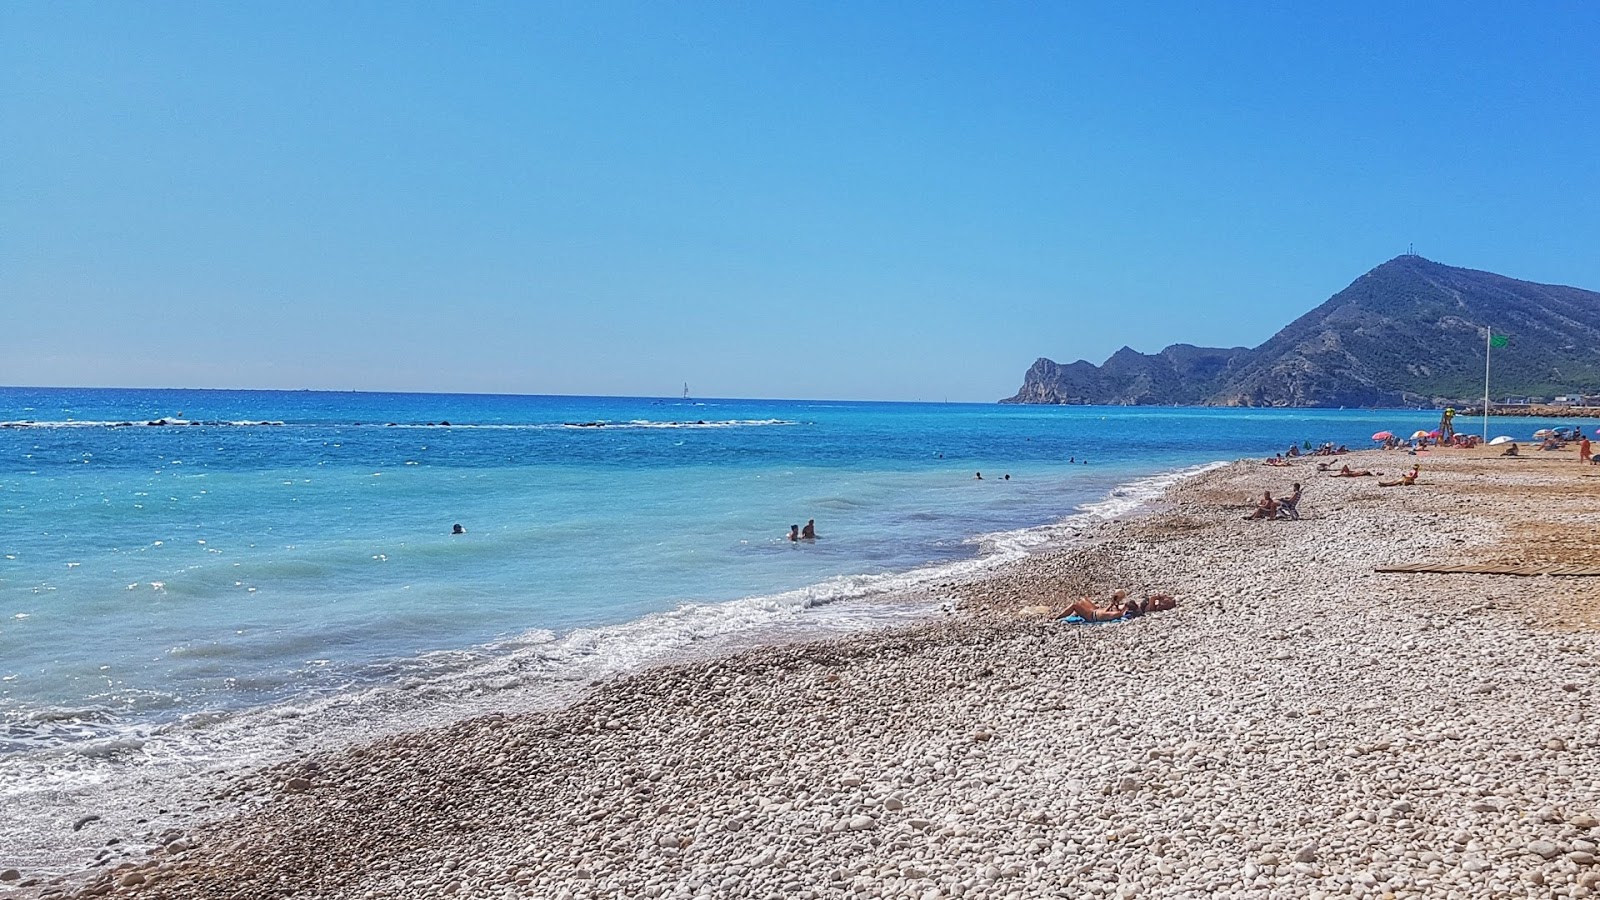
(1301, 726)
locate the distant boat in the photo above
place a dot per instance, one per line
(686, 390)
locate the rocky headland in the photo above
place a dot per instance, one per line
(1409, 333)
(1300, 726)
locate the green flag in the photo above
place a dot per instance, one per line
(1498, 340)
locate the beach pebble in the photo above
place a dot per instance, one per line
(297, 785)
(10, 875)
(1304, 701)
(1546, 849)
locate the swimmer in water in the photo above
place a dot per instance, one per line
(458, 529)
(794, 532)
(809, 532)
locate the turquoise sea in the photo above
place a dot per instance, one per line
(268, 571)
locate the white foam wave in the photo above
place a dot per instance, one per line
(139, 423)
(1121, 500)
(602, 425)
(536, 669)
(491, 426)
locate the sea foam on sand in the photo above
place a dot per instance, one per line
(1301, 725)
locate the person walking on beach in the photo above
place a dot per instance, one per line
(1583, 449)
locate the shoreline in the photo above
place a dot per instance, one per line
(1292, 723)
(192, 762)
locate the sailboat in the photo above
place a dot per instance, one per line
(686, 390)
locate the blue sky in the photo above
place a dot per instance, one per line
(884, 201)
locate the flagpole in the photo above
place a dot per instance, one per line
(1488, 339)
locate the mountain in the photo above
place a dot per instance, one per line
(1408, 333)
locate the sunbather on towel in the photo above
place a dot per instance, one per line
(1347, 472)
(1405, 480)
(1087, 611)
(1118, 607)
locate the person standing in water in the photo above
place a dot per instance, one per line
(794, 532)
(809, 532)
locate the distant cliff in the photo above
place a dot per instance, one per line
(1408, 333)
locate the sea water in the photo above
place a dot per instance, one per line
(202, 579)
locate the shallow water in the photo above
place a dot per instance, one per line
(193, 592)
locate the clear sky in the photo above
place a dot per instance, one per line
(843, 200)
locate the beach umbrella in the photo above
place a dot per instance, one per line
(1419, 435)
(1502, 439)
(1543, 432)
(1383, 436)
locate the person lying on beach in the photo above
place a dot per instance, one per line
(1405, 480)
(1118, 607)
(1267, 508)
(1347, 472)
(1085, 609)
(1275, 461)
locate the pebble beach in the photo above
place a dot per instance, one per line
(1301, 725)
